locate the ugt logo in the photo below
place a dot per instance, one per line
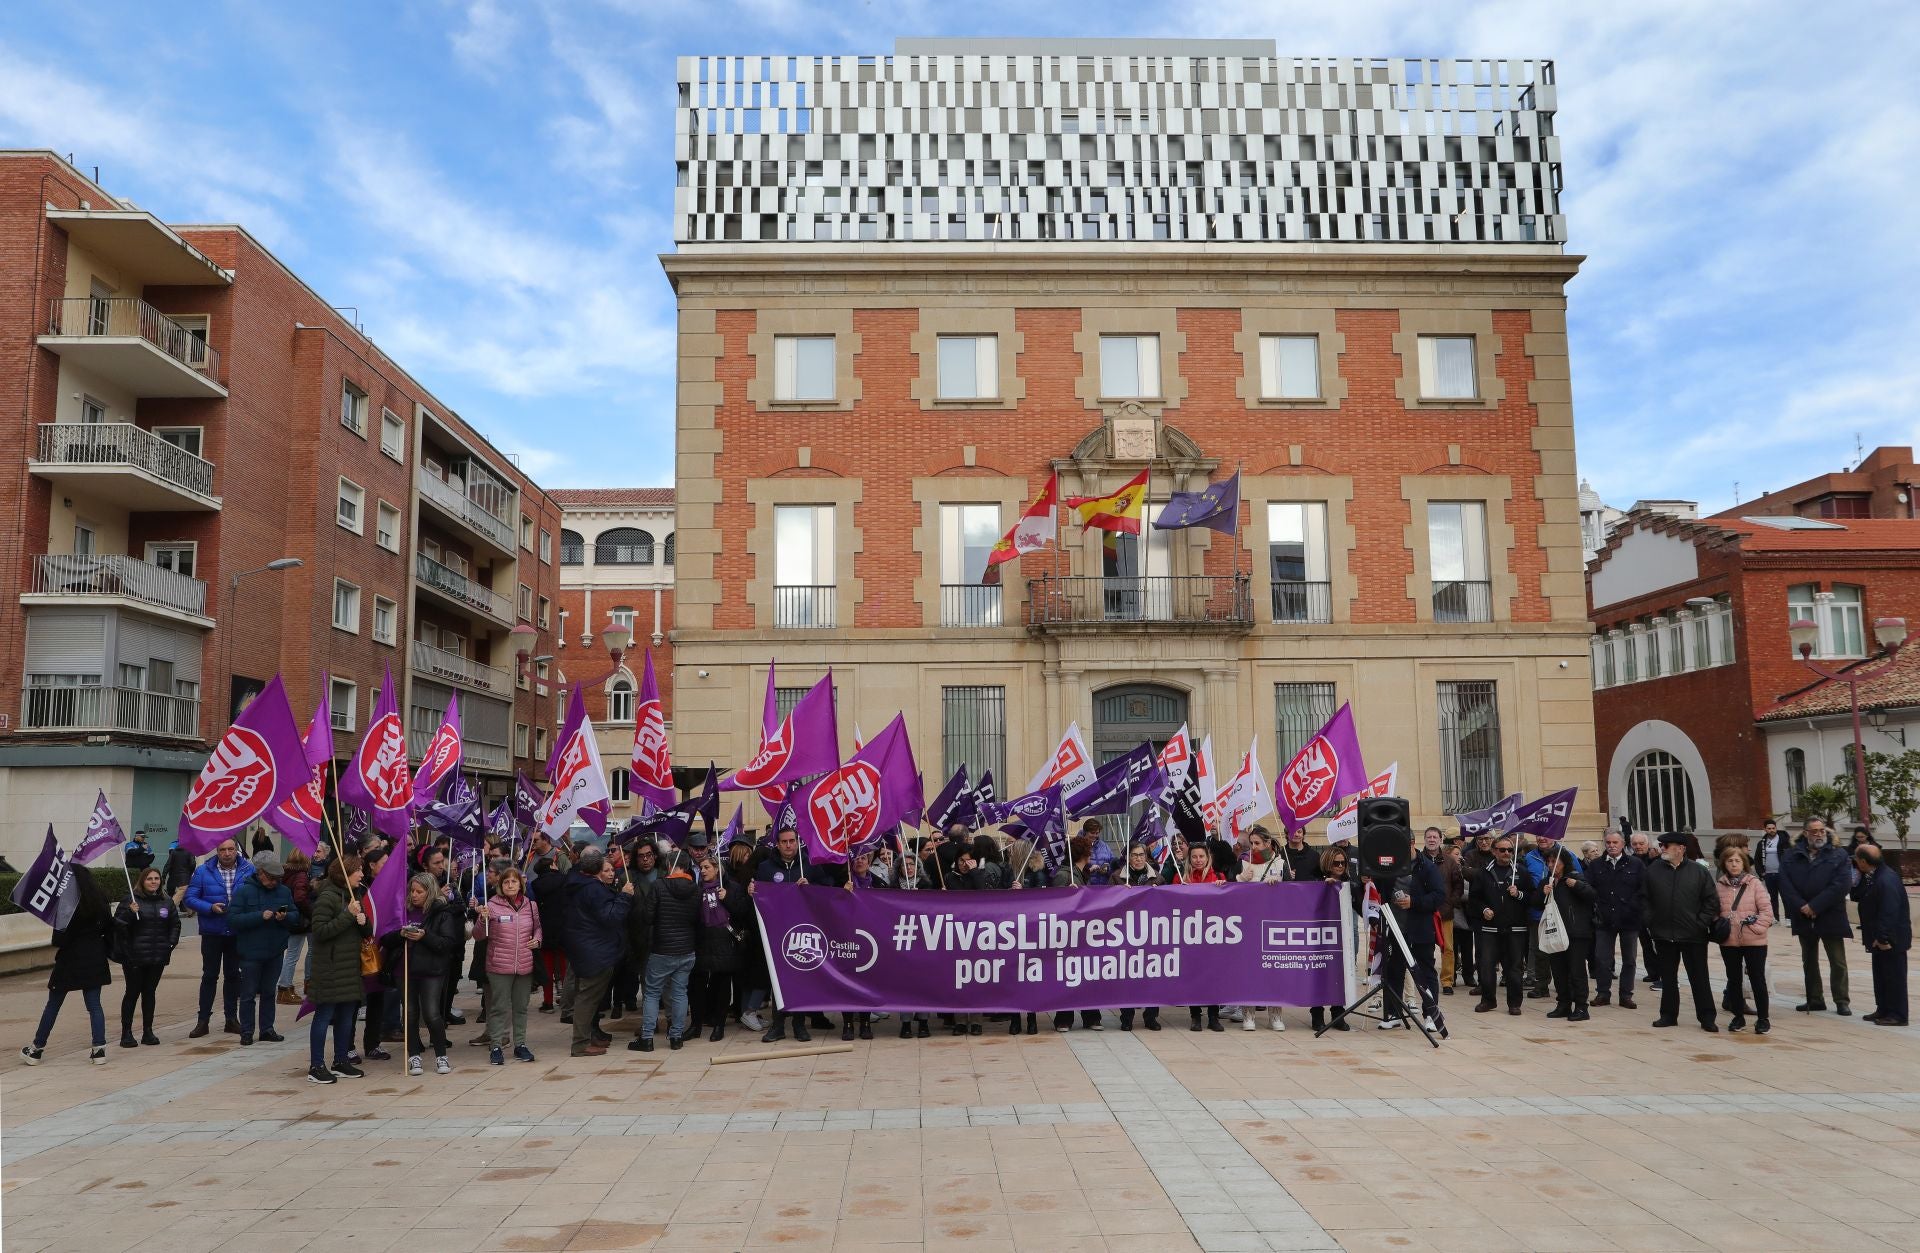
(650, 746)
(845, 806)
(236, 785)
(382, 763)
(805, 947)
(769, 764)
(1308, 784)
(441, 754)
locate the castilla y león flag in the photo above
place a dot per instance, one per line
(1326, 768)
(1036, 527)
(877, 789)
(255, 766)
(377, 778)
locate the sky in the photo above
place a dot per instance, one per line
(490, 182)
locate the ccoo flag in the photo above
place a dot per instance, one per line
(377, 779)
(876, 789)
(652, 762)
(46, 890)
(1546, 818)
(955, 803)
(1326, 768)
(103, 833)
(257, 764)
(1489, 821)
(1216, 507)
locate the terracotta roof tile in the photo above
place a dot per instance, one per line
(1900, 534)
(611, 497)
(1896, 685)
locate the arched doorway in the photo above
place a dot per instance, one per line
(1659, 793)
(1124, 717)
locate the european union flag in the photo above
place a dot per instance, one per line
(1217, 507)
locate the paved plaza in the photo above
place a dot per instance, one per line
(1518, 1134)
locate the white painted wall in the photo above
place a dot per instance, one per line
(1825, 740)
(1644, 562)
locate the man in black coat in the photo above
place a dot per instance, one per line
(1619, 913)
(784, 866)
(1415, 897)
(1499, 896)
(1682, 905)
(1886, 928)
(1814, 879)
(596, 937)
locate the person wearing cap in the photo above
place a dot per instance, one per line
(1682, 907)
(1886, 928)
(261, 913)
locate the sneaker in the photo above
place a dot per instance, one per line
(32, 1055)
(496, 1058)
(441, 1067)
(347, 1070)
(1273, 1020)
(1237, 1013)
(377, 1054)
(521, 1053)
(752, 1021)
(97, 1054)
(320, 1074)
(1389, 1024)
(271, 1037)
(1097, 1024)
(1430, 1024)
(1248, 1024)
(414, 1068)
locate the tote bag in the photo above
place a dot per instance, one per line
(1553, 932)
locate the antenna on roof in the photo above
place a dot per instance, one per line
(1736, 491)
(1859, 451)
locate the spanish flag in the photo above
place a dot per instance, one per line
(1116, 511)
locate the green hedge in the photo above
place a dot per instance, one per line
(112, 881)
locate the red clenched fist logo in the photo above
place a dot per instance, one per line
(382, 763)
(650, 746)
(769, 764)
(1308, 784)
(308, 802)
(236, 785)
(846, 806)
(441, 754)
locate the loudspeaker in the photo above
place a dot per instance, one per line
(1385, 844)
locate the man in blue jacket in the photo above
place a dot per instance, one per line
(1415, 898)
(208, 893)
(259, 913)
(596, 939)
(1619, 913)
(1814, 879)
(1886, 928)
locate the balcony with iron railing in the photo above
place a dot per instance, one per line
(68, 577)
(1302, 602)
(461, 505)
(125, 463)
(438, 663)
(970, 604)
(462, 590)
(135, 345)
(1463, 600)
(1172, 602)
(802, 607)
(107, 709)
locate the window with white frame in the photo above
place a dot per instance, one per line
(620, 700)
(353, 408)
(803, 367)
(969, 367)
(1602, 662)
(546, 547)
(1130, 367)
(386, 618)
(539, 743)
(622, 615)
(341, 695)
(1447, 368)
(1843, 628)
(546, 607)
(185, 438)
(526, 532)
(1457, 556)
(803, 592)
(393, 435)
(1674, 634)
(967, 535)
(519, 739)
(352, 505)
(346, 606)
(1290, 367)
(1629, 656)
(1650, 642)
(175, 555)
(525, 604)
(386, 527)
(1297, 561)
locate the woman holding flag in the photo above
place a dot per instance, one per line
(79, 965)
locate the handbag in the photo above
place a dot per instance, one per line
(1722, 929)
(369, 957)
(1553, 930)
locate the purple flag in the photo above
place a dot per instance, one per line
(983, 793)
(457, 817)
(954, 804)
(1327, 768)
(359, 825)
(527, 799)
(1043, 816)
(652, 776)
(877, 788)
(441, 762)
(387, 895)
(103, 833)
(734, 827)
(1116, 785)
(1489, 821)
(1216, 507)
(676, 823)
(806, 743)
(1546, 818)
(46, 890)
(257, 764)
(302, 817)
(500, 821)
(377, 778)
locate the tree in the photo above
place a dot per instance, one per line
(1893, 781)
(1817, 800)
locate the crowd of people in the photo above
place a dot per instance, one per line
(666, 938)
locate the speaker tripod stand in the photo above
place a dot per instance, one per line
(1358, 1008)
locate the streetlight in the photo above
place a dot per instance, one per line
(1889, 634)
(233, 607)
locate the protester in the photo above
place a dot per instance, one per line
(260, 911)
(784, 866)
(643, 869)
(206, 897)
(1334, 862)
(751, 980)
(1027, 855)
(1467, 969)
(726, 921)
(1539, 973)
(596, 924)
(1814, 880)
(1641, 845)
(1886, 928)
(1074, 875)
(299, 881)
(339, 928)
(671, 955)
(179, 873)
(1199, 870)
(1265, 863)
(510, 927)
(1573, 897)
(1415, 898)
(1499, 899)
(1681, 908)
(433, 936)
(379, 971)
(548, 890)
(1767, 858)
(147, 930)
(1138, 872)
(1454, 884)
(80, 952)
(913, 1023)
(1302, 859)
(1619, 913)
(1746, 912)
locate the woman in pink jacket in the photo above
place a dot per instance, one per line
(1747, 911)
(510, 925)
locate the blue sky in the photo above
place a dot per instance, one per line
(490, 182)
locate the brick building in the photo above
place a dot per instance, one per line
(188, 412)
(1698, 699)
(910, 288)
(616, 565)
(1881, 486)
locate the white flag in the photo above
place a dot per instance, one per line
(1246, 797)
(1176, 758)
(1346, 824)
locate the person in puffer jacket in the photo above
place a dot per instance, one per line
(676, 929)
(148, 925)
(510, 925)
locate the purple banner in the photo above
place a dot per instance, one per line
(1056, 949)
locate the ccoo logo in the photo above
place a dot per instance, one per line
(382, 763)
(1307, 786)
(845, 806)
(236, 785)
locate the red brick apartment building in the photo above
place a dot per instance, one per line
(184, 413)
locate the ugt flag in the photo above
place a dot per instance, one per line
(386, 900)
(302, 816)
(257, 764)
(377, 778)
(1489, 821)
(806, 743)
(1216, 507)
(103, 833)
(1326, 768)
(877, 789)
(46, 890)
(1546, 818)
(579, 782)
(442, 759)
(652, 779)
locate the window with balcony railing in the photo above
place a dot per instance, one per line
(1457, 551)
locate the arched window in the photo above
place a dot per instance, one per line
(618, 779)
(623, 546)
(1796, 777)
(573, 549)
(620, 700)
(1659, 793)
(667, 556)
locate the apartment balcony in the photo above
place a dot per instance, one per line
(126, 464)
(462, 591)
(100, 710)
(135, 345)
(114, 580)
(805, 607)
(460, 507)
(438, 663)
(1298, 602)
(1192, 602)
(1463, 600)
